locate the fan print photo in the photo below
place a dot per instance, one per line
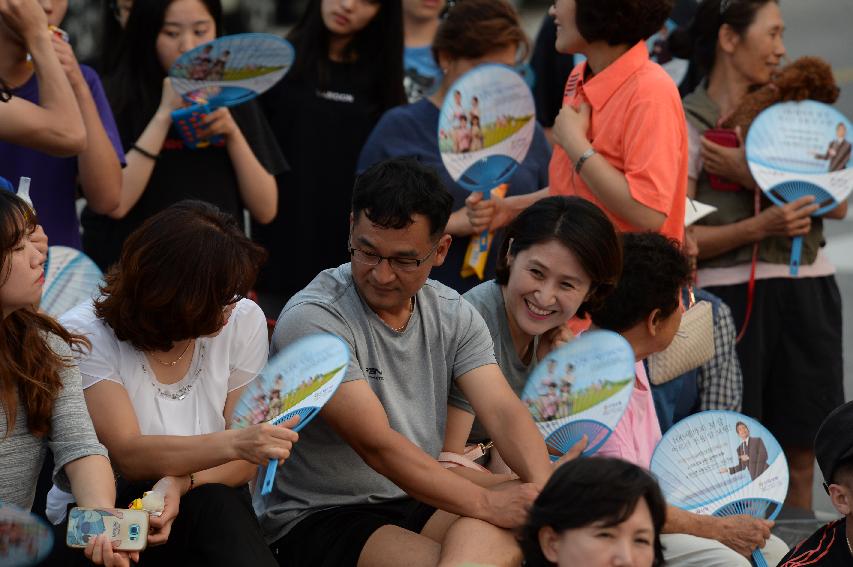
(25, 539)
(722, 463)
(299, 380)
(70, 278)
(581, 388)
(803, 148)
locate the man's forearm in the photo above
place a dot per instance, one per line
(519, 442)
(679, 521)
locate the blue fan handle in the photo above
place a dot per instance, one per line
(269, 476)
(484, 236)
(306, 414)
(796, 252)
(758, 558)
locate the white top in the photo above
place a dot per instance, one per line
(194, 405)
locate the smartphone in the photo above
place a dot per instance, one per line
(127, 529)
(727, 138)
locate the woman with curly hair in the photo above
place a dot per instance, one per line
(615, 517)
(620, 137)
(41, 401)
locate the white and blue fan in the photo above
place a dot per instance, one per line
(25, 539)
(793, 150)
(722, 463)
(485, 128)
(299, 380)
(581, 388)
(70, 278)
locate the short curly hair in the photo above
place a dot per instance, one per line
(653, 272)
(620, 22)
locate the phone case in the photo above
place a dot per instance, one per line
(188, 120)
(727, 138)
(127, 527)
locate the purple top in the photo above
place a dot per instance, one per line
(54, 179)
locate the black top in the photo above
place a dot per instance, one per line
(182, 173)
(827, 547)
(320, 131)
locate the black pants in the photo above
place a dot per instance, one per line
(216, 525)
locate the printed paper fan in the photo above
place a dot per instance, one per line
(485, 128)
(25, 539)
(796, 149)
(297, 381)
(232, 69)
(581, 388)
(70, 278)
(722, 463)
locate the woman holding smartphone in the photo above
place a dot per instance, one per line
(791, 348)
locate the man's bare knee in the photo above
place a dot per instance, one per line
(393, 546)
(475, 541)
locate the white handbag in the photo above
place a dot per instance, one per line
(692, 346)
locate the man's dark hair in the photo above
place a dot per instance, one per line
(653, 271)
(843, 473)
(620, 22)
(392, 191)
(585, 491)
(739, 423)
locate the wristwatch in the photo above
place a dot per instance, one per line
(585, 156)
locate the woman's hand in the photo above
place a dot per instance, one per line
(25, 18)
(161, 526)
(263, 442)
(170, 99)
(570, 129)
(39, 239)
(488, 214)
(793, 219)
(555, 338)
(68, 61)
(100, 551)
(729, 163)
(220, 122)
(743, 534)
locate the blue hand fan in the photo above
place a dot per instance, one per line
(299, 380)
(485, 128)
(797, 149)
(25, 539)
(70, 278)
(226, 72)
(581, 388)
(722, 463)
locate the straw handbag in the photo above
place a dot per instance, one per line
(692, 346)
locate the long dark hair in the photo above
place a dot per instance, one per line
(698, 41)
(578, 225)
(586, 491)
(379, 45)
(136, 84)
(29, 367)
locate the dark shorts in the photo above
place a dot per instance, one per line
(335, 537)
(791, 354)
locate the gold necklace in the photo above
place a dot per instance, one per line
(409, 318)
(177, 360)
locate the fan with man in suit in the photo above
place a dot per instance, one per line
(751, 453)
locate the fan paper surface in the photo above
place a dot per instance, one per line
(581, 388)
(25, 539)
(299, 380)
(788, 150)
(232, 69)
(688, 464)
(70, 278)
(497, 101)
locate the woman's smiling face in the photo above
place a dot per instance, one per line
(546, 287)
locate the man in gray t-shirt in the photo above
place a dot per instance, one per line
(362, 485)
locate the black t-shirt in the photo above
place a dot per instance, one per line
(827, 547)
(321, 131)
(181, 173)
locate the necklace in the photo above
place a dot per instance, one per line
(177, 360)
(409, 318)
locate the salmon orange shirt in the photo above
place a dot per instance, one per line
(637, 124)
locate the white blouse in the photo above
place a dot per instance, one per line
(195, 404)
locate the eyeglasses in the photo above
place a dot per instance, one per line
(397, 263)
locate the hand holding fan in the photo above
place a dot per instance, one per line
(25, 539)
(299, 380)
(226, 72)
(581, 388)
(722, 463)
(70, 278)
(485, 128)
(795, 149)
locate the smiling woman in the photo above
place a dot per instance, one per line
(560, 258)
